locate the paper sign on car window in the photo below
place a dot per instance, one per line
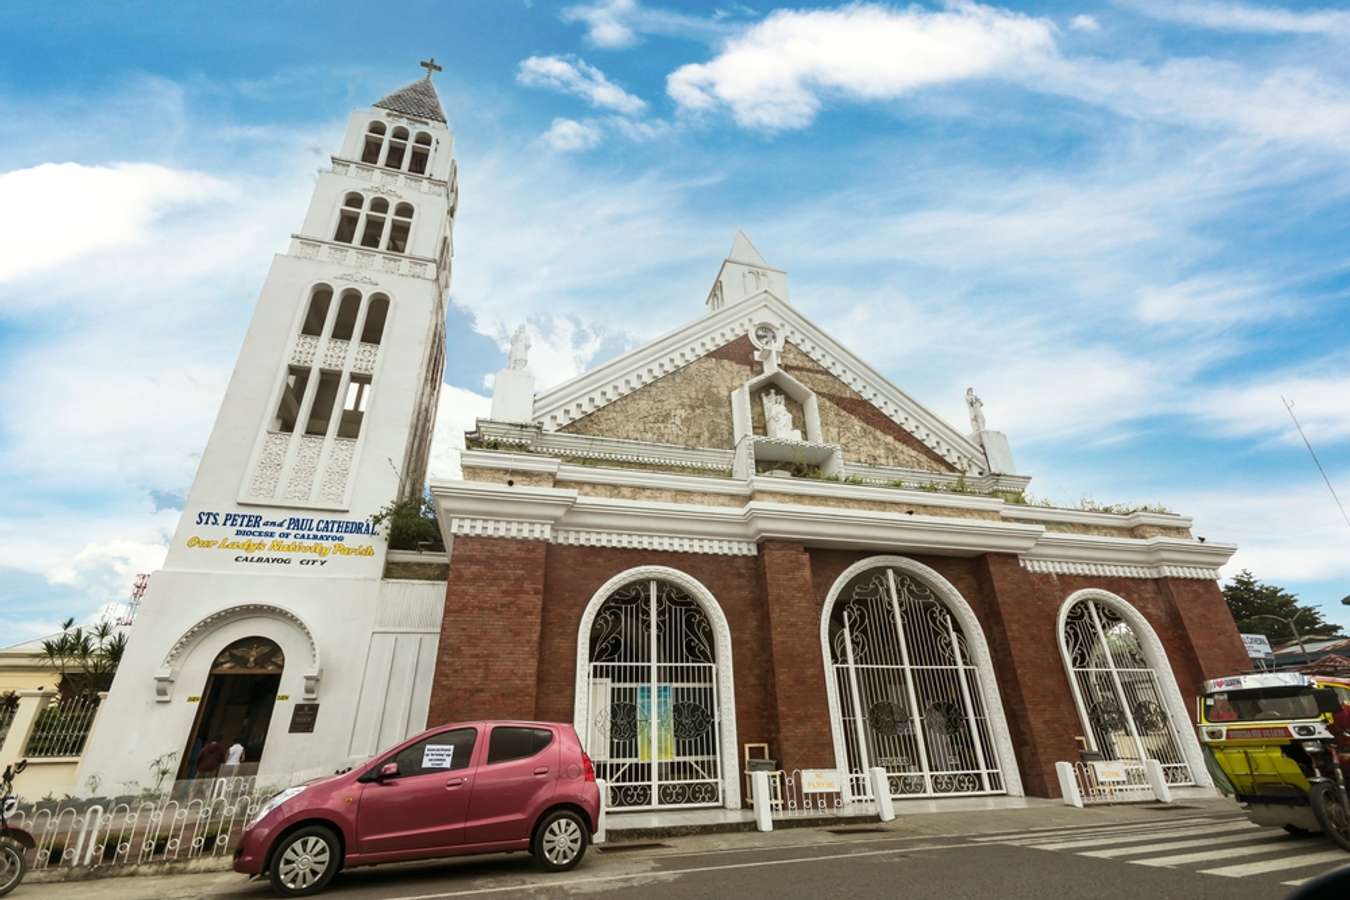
(437, 756)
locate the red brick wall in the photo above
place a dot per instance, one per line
(801, 706)
(508, 645)
(489, 649)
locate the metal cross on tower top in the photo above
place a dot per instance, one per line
(430, 66)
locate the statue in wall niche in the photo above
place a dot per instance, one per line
(976, 407)
(518, 358)
(777, 419)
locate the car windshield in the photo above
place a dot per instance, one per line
(1262, 705)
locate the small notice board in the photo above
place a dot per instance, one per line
(303, 716)
(820, 781)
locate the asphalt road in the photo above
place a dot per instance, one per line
(1197, 856)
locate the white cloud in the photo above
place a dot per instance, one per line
(1085, 23)
(580, 78)
(569, 135)
(1256, 408)
(1216, 298)
(617, 24)
(604, 22)
(457, 413)
(58, 212)
(1244, 17)
(776, 74)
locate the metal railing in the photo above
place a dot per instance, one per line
(1091, 783)
(61, 729)
(137, 831)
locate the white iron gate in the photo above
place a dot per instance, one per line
(1118, 695)
(652, 712)
(909, 694)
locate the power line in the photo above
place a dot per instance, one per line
(1289, 406)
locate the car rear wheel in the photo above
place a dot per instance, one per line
(305, 861)
(560, 841)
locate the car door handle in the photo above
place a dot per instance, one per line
(454, 783)
(542, 770)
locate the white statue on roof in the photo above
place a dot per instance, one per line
(976, 407)
(777, 419)
(519, 357)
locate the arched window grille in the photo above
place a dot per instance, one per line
(654, 732)
(371, 220)
(322, 400)
(374, 144)
(910, 698)
(1120, 701)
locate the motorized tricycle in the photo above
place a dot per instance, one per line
(15, 843)
(1281, 742)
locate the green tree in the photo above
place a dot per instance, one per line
(410, 524)
(1248, 598)
(86, 658)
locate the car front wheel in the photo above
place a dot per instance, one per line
(560, 841)
(304, 862)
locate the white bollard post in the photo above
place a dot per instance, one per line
(759, 794)
(599, 836)
(1161, 791)
(881, 790)
(1068, 785)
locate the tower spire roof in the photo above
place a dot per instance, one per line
(417, 99)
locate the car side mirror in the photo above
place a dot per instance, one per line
(388, 770)
(1328, 701)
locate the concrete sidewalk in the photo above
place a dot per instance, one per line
(150, 880)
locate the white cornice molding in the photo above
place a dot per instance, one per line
(654, 542)
(671, 352)
(567, 516)
(1086, 517)
(500, 528)
(862, 492)
(1065, 567)
(666, 481)
(518, 462)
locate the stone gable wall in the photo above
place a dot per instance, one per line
(692, 407)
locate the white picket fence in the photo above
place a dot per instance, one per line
(194, 820)
(813, 793)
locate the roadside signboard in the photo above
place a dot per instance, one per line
(1109, 771)
(1258, 646)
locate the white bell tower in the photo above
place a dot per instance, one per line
(327, 417)
(332, 402)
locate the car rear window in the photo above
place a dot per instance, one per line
(510, 742)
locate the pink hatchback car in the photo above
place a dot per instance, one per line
(474, 787)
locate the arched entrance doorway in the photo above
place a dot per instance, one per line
(910, 689)
(653, 686)
(1126, 713)
(236, 704)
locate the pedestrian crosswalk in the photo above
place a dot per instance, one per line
(1220, 845)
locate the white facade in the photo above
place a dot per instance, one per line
(327, 417)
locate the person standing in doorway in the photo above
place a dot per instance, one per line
(234, 757)
(209, 761)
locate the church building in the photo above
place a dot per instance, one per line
(739, 540)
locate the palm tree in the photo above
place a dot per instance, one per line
(85, 658)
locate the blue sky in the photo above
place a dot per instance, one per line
(1126, 224)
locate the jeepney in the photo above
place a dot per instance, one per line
(1281, 742)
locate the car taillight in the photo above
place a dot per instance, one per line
(587, 768)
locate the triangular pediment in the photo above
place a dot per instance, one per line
(676, 390)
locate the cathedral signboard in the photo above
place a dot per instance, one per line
(253, 539)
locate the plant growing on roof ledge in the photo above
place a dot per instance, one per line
(410, 524)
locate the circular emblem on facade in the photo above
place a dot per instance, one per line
(764, 336)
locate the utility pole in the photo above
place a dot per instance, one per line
(1290, 622)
